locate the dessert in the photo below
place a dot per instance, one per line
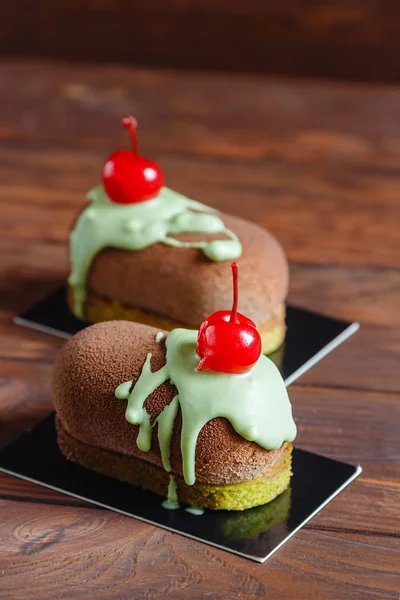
(200, 417)
(140, 251)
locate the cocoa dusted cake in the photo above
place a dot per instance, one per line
(199, 417)
(142, 252)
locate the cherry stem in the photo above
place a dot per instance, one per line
(234, 267)
(130, 123)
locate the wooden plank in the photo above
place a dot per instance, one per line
(12, 488)
(354, 426)
(309, 160)
(367, 506)
(359, 294)
(24, 397)
(335, 39)
(77, 552)
(26, 345)
(369, 360)
(211, 114)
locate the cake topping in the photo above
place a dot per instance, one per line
(172, 501)
(195, 510)
(129, 177)
(139, 225)
(228, 342)
(255, 402)
(119, 218)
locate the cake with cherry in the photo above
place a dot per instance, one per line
(199, 417)
(140, 251)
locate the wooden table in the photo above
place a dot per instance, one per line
(316, 163)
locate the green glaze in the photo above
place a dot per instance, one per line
(122, 391)
(172, 502)
(105, 224)
(137, 414)
(195, 510)
(144, 438)
(166, 420)
(159, 336)
(256, 403)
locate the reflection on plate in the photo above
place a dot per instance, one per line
(253, 521)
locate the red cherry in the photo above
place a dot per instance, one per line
(128, 177)
(228, 342)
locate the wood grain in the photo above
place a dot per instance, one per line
(128, 559)
(309, 162)
(319, 165)
(12, 488)
(357, 40)
(334, 422)
(367, 361)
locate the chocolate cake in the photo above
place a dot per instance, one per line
(159, 258)
(230, 471)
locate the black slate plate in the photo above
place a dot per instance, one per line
(309, 336)
(255, 533)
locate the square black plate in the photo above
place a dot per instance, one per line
(255, 533)
(309, 336)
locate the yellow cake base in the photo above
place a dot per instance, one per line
(236, 496)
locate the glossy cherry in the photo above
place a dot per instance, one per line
(128, 177)
(228, 342)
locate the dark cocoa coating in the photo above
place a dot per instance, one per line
(184, 285)
(91, 366)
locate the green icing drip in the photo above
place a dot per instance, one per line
(144, 438)
(122, 391)
(166, 420)
(137, 414)
(195, 510)
(172, 502)
(105, 224)
(256, 402)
